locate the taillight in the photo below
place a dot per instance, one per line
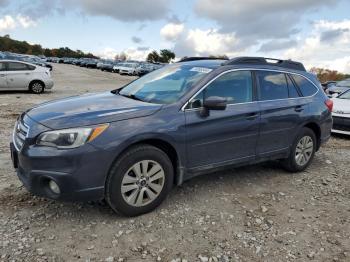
(329, 104)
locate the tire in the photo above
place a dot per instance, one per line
(130, 194)
(301, 154)
(36, 87)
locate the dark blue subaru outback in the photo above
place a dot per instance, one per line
(130, 146)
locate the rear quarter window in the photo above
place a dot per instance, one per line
(305, 86)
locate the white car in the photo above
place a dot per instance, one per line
(341, 113)
(128, 69)
(18, 75)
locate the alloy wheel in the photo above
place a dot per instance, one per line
(304, 150)
(142, 183)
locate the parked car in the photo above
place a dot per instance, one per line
(108, 66)
(18, 75)
(145, 68)
(328, 84)
(339, 87)
(128, 69)
(341, 113)
(91, 63)
(130, 146)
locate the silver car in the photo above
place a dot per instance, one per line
(18, 75)
(341, 113)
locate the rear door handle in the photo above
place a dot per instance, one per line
(252, 116)
(2, 75)
(298, 108)
(27, 74)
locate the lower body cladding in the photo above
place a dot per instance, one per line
(72, 175)
(341, 125)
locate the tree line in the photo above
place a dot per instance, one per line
(325, 75)
(23, 47)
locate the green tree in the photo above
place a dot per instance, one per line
(153, 57)
(166, 55)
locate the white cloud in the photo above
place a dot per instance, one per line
(172, 31)
(198, 42)
(131, 52)
(25, 21)
(316, 50)
(7, 23)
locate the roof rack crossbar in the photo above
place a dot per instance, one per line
(196, 58)
(267, 61)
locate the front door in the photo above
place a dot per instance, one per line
(227, 136)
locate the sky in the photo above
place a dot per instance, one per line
(315, 32)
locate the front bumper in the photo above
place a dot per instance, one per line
(80, 174)
(341, 124)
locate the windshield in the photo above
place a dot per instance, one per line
(344, 83)
(345, 95)
(166, 85)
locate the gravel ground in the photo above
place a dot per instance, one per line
(255, 213)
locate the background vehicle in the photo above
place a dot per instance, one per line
(328, 84)
(128, 68)
(339, 87)
(341, 113)
(177, 122)
(17, 75)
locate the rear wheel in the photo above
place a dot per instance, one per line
(302, 152)
(139, 180)
(36, 87)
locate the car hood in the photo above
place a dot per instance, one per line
(341, 105)
(89, 109)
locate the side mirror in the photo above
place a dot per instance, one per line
(213, 103)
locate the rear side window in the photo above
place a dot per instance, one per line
(272, 85)
(293, 92)
(2, 67)
(13, 66)
(30, 67)
(305, 86)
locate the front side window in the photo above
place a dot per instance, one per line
(13, 66)
(305, 86)
(272, 85)
(166, 85)
(236, 87)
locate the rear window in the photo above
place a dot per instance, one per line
(273, 85)
(305, 86)
(2, 67)
(293, 92)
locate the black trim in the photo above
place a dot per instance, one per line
(289, 64)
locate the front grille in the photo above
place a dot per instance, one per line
(341, 127)
(20, 134)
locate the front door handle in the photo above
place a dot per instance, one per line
(2, 75)
(252, 116)
(298, 108)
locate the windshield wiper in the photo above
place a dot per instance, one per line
(132, 97)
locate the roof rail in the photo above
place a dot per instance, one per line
(195, 58)
(266, 61)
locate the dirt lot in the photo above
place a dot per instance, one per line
(256, 213)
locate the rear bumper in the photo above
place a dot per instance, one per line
(49, 84)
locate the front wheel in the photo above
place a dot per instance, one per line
(139, 180)
(302, 152)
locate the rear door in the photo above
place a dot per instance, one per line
(281, 111)
(228, 136)
(3, 78)
(19, 75)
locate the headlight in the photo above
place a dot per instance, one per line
(70, 138)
